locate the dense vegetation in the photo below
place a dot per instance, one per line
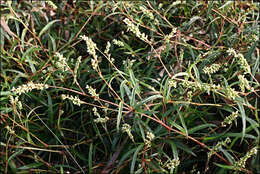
(129, 87)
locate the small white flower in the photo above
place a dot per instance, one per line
(91, 46)
(92, 92)
(75, 100)
(29, 87)
(127, 128)
(171, 164)
(107, 48)
(211, 69)
(61, 63)
(133, 28)
(118, 43)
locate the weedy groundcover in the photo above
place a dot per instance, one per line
(134, 87)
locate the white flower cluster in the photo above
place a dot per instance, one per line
(146, 12)
(244, 83)
(211, 69)
(127, 128)
(229, 119)
(189, 95)
(75, 100)
(29, 87)
(177, 2)
(132, 27)
(118, 43)
(149, 138)
(231, 51)
(129, 63)
(92, 92)
(62, 64)
(99, 119)
(107, 52)
(201, 86)
(172, 83)
(94, 63)
(171, 164)
(15, 101)
(91, 45)
(242, 61)
(107, 48)
(242, 162)
(91, 50)
(218, 147)
(231, 93)
(169, 36)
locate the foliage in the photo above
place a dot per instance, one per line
(129, 87)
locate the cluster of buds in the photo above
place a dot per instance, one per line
(149, 138)
(146, 12)
(15, 101)
(107, 48)
(229, 119)
(61, 63)
(135, 29)
(201, 86)
(29, 87)
(211, 69)
(172, 164)
(242, 61)
(107, 52)
(242, 162)
(118, 43)
(169, 36)
(218, 146)
(172, 83)
(75, 100)
(99, 119)
(91, 46)
(92, 92)
(244, 83)
(231, 93)
(91, 50)
(127, 128)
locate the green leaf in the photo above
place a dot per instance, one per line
(132, 98)
(31, 166)
(200, 127)
(47, 27)
(243, 115)
(119, 115)
(153, 97)
(174, 149)
(135, 157)
(122, 85)
(224, 166)
(90, 158)
(125, 156)
(183, 123)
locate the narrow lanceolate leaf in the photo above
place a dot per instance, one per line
(90, 158)
(183, 123)
(134, 158)
(122, 92)
(200, 127)
(149, 99)
(119, 115)
(47, 27)
(243, 115)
